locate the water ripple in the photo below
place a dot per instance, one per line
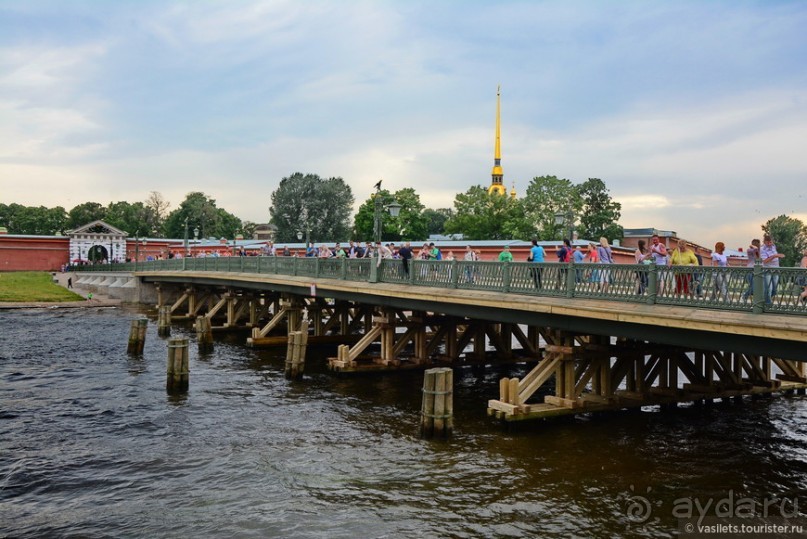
(91, 446)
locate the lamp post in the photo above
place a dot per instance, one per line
(187, 249)
(196, 235)
(566, 219)
(304, 219)
(393, 208)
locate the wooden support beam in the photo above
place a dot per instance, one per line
(264, 331)
(526, 344)
(216, 308)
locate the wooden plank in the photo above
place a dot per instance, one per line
(562, 402)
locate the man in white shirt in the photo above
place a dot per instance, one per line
(770, 259)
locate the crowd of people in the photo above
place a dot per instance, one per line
(687, 283)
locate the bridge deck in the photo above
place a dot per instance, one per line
(781, 335)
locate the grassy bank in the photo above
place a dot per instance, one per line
(25, 286)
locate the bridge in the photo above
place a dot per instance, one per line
(601, 336)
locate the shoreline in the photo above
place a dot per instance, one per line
(60, 278)
(60, 304)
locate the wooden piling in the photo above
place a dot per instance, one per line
(437, 409)
(137, 336)
(164, 321)
(177, 368)
(295, 352)
(204, 333)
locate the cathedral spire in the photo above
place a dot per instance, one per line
(496, 185)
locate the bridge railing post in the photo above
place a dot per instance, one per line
(316, 267)
(571, 279)
(652, 282)
(455, 278)
(506, 276)
(343, 269)
(375, 269)
(294, 267)
(412, 263)
(759, 289)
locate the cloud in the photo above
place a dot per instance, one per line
(693, 114)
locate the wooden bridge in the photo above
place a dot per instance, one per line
(601, 336)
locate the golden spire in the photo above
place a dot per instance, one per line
(496, 185)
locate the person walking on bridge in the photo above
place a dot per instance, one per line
(606, 256)
(682, 255)
(720, 260)
(642, 256)
(536, 257)
(506, 255)
(802, 279)
(770, 259)
(752, 253)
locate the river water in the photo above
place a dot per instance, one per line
(92, 446)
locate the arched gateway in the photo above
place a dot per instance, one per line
(97, 241)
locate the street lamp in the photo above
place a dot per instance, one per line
(137, 248)
(566, 219)
(393, 208)
(304, 219)
(187, 249)
(196, 235)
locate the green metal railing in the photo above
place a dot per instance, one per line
(756, 289)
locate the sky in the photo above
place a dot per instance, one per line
(693, 113)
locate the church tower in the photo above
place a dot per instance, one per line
(496, 185)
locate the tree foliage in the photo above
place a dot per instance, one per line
(546, 196)
(436, 219)
(790, 237)
(307, 202)
(480, 216)
(598, 212)
(33, 220)
(84, 213)
(134, 218)
(158, 207)
(409, 225)
(201, 212)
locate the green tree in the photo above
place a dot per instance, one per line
(410, 223)
(598, 212)
(85, 213)
(545, 197)
(33, 220)
(790, 237)
(132, 218)
(248, 229)
(306, 202)
(201, 212)
(158, 212)
(6, 216)
(436, 219)
(480, 216)
(227, 225)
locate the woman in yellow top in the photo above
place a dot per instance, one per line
(683, 256)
